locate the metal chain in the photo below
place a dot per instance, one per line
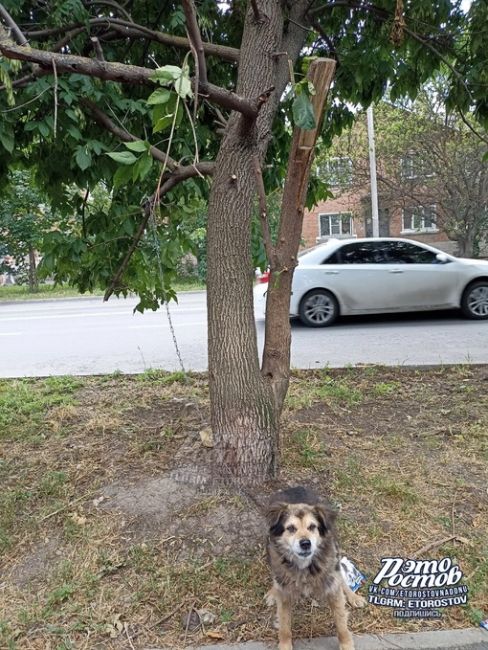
(172, 329)
(160, 267)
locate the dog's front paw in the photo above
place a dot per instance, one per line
(349, 645)
(287, 645)
(355, 600)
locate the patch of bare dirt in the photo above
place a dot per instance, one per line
(35, 564)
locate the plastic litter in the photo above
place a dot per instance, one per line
(353, 576)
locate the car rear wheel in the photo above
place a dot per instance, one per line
(474, 303)
(318, 308)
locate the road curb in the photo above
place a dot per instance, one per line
(465, 639)
(22, 301)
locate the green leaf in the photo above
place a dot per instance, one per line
(74, 132)
(7, 140)
(43, 129)
(303, 115)
(183, 86)
(163, 123)
(166, 73)
(96, 146)
(159, 96)
(122, 176)
(123, 157)
(142, 168)
(166, 121)
(138, 146)
(83, 158)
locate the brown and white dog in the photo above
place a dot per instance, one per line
(304, 557)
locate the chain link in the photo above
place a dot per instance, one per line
(160, 267)
(172, 330)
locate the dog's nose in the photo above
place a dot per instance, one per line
(305, 544)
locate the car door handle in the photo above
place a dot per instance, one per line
(331, 272)
(396, 271)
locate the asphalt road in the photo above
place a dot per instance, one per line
(87, 336)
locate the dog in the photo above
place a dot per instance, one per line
(304, 558)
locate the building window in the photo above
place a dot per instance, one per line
(413, 166)
(337, 172)
(332, 225)
(419, 219)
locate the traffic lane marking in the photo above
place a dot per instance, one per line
(91, 315)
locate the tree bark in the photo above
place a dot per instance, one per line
(243, 417)
(466, 244)
(33, 281)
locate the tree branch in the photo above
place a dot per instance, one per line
(103, 120)
(121, 72)
(133, 30)
(115, 5)
(263, 211)
(257, 14)
(179, 175)
(137, 238)
(97, 47)
(62, 42)
(325, 38)
(228, 99)
(195, 39)
(219, 95)
(74, 64)
(481, 137)
(16, 31)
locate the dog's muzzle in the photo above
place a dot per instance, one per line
(305, 547)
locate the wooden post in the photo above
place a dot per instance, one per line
(320, 73)
(276, 355)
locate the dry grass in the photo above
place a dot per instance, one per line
(403, 452)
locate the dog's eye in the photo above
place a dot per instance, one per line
(312, 527)
(291, 529)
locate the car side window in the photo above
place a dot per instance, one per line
(399, 252)
(332, 259)
(362, 253)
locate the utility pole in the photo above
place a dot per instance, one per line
(372, 173)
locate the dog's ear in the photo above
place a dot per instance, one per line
(325, 517)
(275, 514)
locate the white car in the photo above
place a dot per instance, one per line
(380, 275)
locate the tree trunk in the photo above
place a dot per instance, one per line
(466, 243)
(243, 417)
(33, 281)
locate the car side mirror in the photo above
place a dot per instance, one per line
(442, 258)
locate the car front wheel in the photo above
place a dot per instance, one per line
(319, 308)
(474, 303)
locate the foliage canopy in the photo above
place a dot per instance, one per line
(84, 129)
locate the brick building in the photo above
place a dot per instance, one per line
(412, 194)
(348, 215)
